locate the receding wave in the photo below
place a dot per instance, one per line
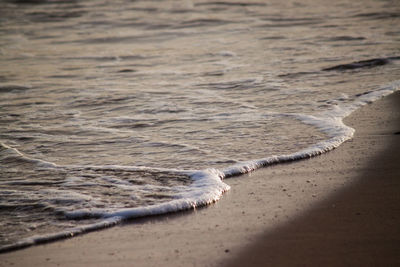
(80, 196)
(112, 112)
(330, 122)
(78, 192)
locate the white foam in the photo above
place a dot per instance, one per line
(40, 239)
(207, 186)
(329, 122)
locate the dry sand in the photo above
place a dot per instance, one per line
(341, 208)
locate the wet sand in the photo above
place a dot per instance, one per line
(358, 226)
(338, 209)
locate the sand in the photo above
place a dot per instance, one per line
(338, 209)
(360, 224)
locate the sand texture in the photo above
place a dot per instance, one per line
(360, 224)
(338, 209)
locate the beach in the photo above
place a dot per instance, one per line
(359, 224)
(199, 133)
(337, 209)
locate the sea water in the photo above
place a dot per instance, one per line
(113, 110)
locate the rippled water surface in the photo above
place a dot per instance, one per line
(111, 105)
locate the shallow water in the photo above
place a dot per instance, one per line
(116, 109)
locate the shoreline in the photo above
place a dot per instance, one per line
(358, 225)
(259, 206)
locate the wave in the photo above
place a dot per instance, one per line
(205, 187)
(370, 63)
(329, 122)
(363, 64)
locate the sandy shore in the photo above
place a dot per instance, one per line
(342, 208)
(360, 224)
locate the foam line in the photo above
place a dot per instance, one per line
(329, 122)
(207, 186)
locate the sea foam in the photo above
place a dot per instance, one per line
(207, 185)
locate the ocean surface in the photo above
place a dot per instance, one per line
(114, 110)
